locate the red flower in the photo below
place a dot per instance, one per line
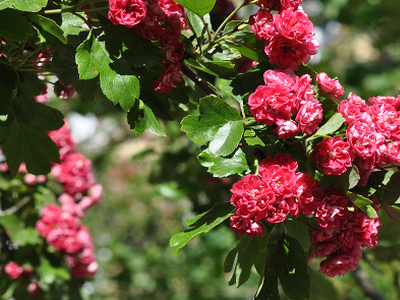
(339, 264)
(329, 86)
(126, 12)
(171, 74)
(309, 116)
(333, 155)
(13, 269)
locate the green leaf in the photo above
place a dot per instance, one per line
(49, 273)
(252, 139)
(392, 211)
(249, 252)
(354, 177)
(12, 224)
(89, 58)
(235, 163)
(300, 232)
(31, 143)
(197, 23)
(10, 290)
(203, 223)
(120, 89)
(362, 203)
(27, 236)
(332, 125)
(47, 25)
(8, 83)
(292, 269)
(20, 30)
(199, 7)
(218, 123)
(24, 5)
(72, 24)
(141, 117)
(321, 287)
(247, 44)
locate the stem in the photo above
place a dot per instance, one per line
(197, 80)
(222, 26)
(16, 207)
(72, 10)
(366, 285)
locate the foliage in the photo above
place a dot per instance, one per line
(180, 68)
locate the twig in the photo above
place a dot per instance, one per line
(197, 80)
(16, 207)
(366, 285)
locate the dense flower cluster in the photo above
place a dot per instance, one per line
(288, 34)
(15, 271)
(157, 20)
(329, 86)
(283, 97)
(277, 192)
(373, 132)
(341, 233)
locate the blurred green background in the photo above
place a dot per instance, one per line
(153, 184)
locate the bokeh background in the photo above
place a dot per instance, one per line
(152, 184)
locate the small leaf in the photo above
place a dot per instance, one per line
(120, 89)
(20, 30)
(72, 24)
(199, 7)
(292, 269)
(252, 139)
(332, 125)
(362, 203)
(205, 223)
(49, 273)
(300, 232)
(8, 82)
(89, 58)
(235, 163)
(218, 123)
(24, 5)
(392, 211)
(48, 25)
(27, 236)
(197, 23)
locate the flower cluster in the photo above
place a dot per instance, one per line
(341, 233)
(284, 96)
(277, 192)
(15, 271)
(157, 20)
(63, 230)
(288, 34)
(373, 132)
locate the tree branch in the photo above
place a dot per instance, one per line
(197, 80)
(366, 285)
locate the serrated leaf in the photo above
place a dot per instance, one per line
(89, 58)
(72, 24)
(8, 82)
(249, 252)
(333, 124)
(300, 232)
(143, 118)
(354, 177)
(20, 30)
(235, 163)
(205, 223)
(363, 203)
(197, 23)
(49, 273)
(120, 89)
(24, 5)
(30, 143)
(218, 123)
(199, 7)
(292, 269)
(47, 25)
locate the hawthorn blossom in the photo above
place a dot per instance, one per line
(329, 86)
(126, 12)
(333, 155)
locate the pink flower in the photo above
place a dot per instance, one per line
(260, 24)
(13, 269)
(63, 139)
(279, 159)
(332, 209)
(307, 193)
(326, 248)
(339, 264)
(333, 155)
(33, 289)
(171, 74)
(294, 25)
(270, 103)
(64, 91)
(349, 111)
(126, 12)
(287, 129)
(247, 226)
(309, 116)
(329, 86)
(393, 101)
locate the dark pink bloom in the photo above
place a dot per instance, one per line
(332, 209)
(279, 159)
(393, 101)
(126, 12)
(171, 74)
(294, 25)
(287, 129)
(333, 155)
(339, 264)
(326, 248)
(309, 116)
(349, 111)
(63, 139)
(33, 289)
(13, 269)
(260, 23)
(247, 226)
(64, 91)
(329, 86)
(307, 193)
